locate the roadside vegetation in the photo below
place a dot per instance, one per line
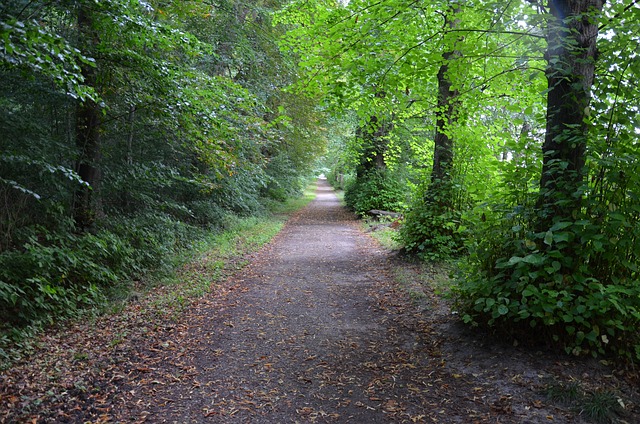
(505, 133)
(133, 134)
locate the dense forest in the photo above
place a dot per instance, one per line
(505, 132)
(130, 130)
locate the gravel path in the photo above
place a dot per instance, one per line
(314, 331)
(317, 328)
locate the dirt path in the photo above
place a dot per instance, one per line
(315, 329)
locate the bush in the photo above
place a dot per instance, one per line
(284, 180)
(55, 276)
(573, 283)
(432, 227)
(432, 234)
(378, 189)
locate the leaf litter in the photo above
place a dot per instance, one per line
(314, 329)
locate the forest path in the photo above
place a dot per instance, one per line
(313, 330)
(322, 325)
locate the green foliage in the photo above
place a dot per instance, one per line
(378, 189)
(572, 283)
(601, 407)
(283, 180)
(559, 250)
(430, 230)
(574, 278)
(564, 394)
(193, 126)
(54, 276)
(431, 234)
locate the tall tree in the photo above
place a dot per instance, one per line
(446, 115)
(87, 127)
(571, 57)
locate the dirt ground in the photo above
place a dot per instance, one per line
(314, 329)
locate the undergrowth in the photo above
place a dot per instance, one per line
(377, 189)
(596, 406)
(62, 276)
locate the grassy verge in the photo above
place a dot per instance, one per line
(384, 235)
(223, 254)
(182, 279)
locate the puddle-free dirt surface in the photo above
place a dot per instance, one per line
(314, 329)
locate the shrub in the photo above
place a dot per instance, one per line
(573, 283)
(378, 189)
(430, 233)
(432, 227)
(55, 276)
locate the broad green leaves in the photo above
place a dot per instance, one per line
(32, 46)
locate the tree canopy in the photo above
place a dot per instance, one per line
(504, 132)
(512, 128)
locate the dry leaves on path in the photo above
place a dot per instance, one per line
(315, 329)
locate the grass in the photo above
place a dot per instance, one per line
(596, 406)
(183, 278)
(222, 254)
(386, 236)
(295, 204)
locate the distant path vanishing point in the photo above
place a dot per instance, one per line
(313, 330)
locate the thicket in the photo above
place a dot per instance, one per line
(515, 126)
(379, 189)
(128, 130)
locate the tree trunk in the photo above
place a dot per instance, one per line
(571, 55)
(374, 139)
(88, 119)
(446, 115)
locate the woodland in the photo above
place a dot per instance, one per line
(504, 132)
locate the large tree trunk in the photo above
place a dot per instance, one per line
(446, 116)
(571, 53)
(88, 119)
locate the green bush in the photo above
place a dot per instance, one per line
(432, 228)
(284, 180)
(54, 276)
(430, 233)
(378, 189)
(574, 283)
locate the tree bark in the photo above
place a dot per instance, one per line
(571, 56)
(87, 131)
(446, 116)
